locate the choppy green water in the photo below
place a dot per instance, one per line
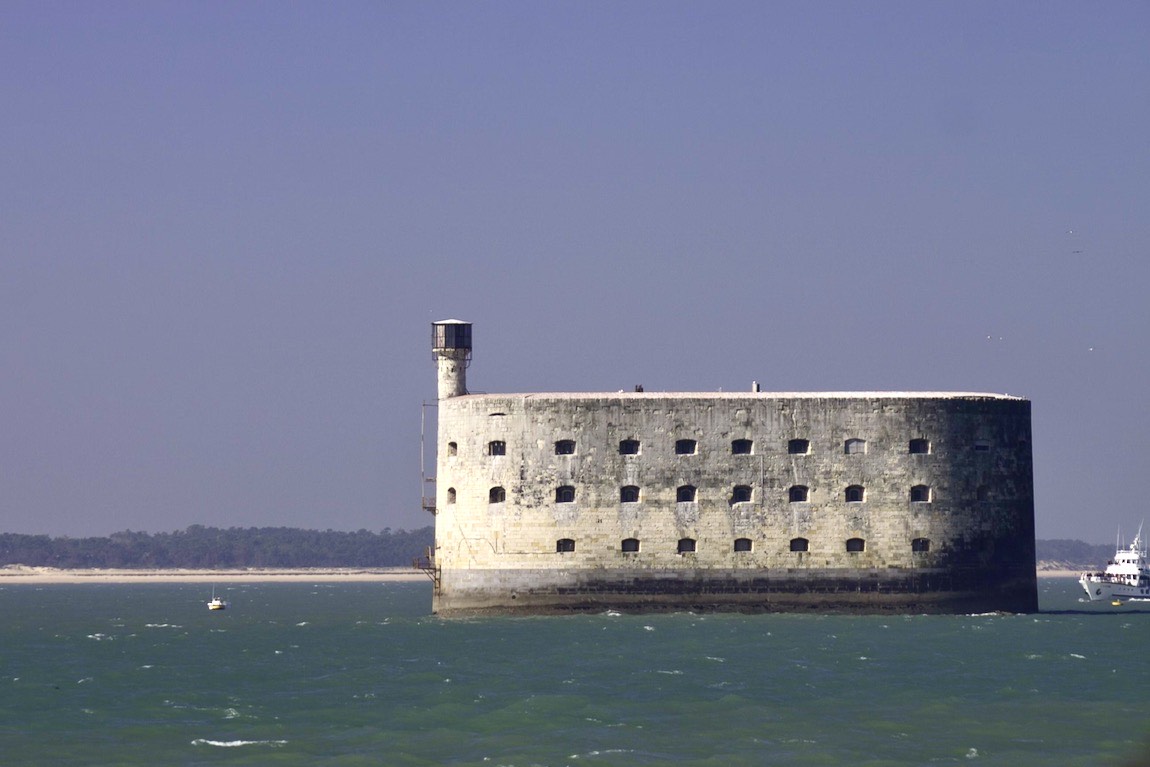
(359, 674)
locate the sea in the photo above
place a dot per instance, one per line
(362, 674)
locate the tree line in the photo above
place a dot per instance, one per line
(199, 547)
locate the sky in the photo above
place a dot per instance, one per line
(225, 230)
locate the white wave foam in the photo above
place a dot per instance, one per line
(238, 743)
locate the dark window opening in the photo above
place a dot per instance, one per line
(451, 495)
(854, 446)
(798, 494)
(564, 546)
(565, 447)
(565, 494)
(855, 545)
(799, 446)
(920, 494)
(496, 495)
(497, 447)
(685, 493)
(741, 494)
(452, 448)
(629, 494)
(685, 447)
(800, 544)
(686, 546)
(743, 544)
(630, 545)
(919, 446)
(629, 447)
(742, 447)
(920, 545)
(855, 494)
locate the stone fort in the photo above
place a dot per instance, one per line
(753, 501)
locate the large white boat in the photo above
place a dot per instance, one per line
(1125, 577)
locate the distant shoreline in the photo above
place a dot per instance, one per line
(20, 574)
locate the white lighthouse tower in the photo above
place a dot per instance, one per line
(451, 345)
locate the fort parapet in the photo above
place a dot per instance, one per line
(852, 501)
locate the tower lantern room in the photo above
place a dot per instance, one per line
(451, 346)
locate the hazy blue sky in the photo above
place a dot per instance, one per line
(225, 229)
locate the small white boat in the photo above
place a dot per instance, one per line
(1125, 577)
(217, 603)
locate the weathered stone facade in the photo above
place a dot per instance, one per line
(750, 501)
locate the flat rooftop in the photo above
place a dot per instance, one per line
(721, 395)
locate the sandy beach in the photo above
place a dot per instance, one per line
(19, 574)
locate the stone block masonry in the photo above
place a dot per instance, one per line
(871, 501)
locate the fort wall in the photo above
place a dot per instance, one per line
(747, 501)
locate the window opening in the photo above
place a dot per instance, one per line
(743, 544)
(919, 446)
(686, 546)
(564, 546)
(630, 545)
(799, 446)
(685, 493)
(798, 494)
(920, 494)
(629, 447)
(565, 447)
(451, 495)
(800, 544)
(742, 447)
(496, 495)
(497, 447)
(686, 447)
(854, 446)
(920, 545)
(452, 448)
(855, 545)
(855, 494)
(565, 494)
(741, 494)
(629, 494)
